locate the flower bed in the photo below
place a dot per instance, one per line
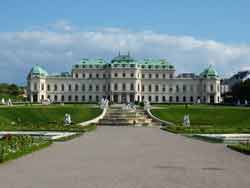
(12, 147)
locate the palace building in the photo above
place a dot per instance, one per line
(123, 80)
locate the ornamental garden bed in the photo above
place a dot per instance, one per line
(12, 147)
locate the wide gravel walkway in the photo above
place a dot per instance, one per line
(126, 157)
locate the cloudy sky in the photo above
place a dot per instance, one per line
(189, 34)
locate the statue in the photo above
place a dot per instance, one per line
(9, 102)
(3, 101)
(67, 119)
(246, 102)
(186, 120)
(104, 103)
(147, 105)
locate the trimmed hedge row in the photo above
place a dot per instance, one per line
(243, 148)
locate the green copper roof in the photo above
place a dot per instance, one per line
(123, 59)
(209, 72)
(92, 62)
(38, 70)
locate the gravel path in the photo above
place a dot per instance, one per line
(126, 157)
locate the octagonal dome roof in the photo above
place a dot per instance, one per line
(209, 72)
(38, 70)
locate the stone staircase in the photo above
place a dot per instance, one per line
(116, 116)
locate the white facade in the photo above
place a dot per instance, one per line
(123, 80)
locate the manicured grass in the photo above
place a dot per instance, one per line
(50, 117)
(206, 118)
(17, 146)
(243, 148)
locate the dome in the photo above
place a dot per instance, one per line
(209, 72)
(37, 70)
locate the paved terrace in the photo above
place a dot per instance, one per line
(126, 157)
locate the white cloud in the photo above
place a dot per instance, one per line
(58, 46)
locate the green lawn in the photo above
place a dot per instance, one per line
(206, 119)
(50, 117)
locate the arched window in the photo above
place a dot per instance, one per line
(149, 98)
(62, 98)
(156, 88)
(149, 88)
(76, 98)
(48, 87)
(42, 87)
(170, 99)
(211, 87)
(191, 99)
(83, 98)
(177, 98)
(83, 87)
(76, 87)
(69, 88)
(97, 87)
(90, 87)
(55, 87)
(184, 88)
(184, 99)
(124, 87)
(69, 98)
(156, 98)
(177, 88)
(142, 88)
(35, 86)
(115, 87)
(62, 87)
(132, 87)
(163, 99)
(55, 98)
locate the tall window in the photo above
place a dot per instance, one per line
(177, 98)
(124, 87)
(62, 87)
(42, 87)
(177, 88)
(184, 99)
(76, 98)
(132, 87)
(76, 87)
(149, 88)
(211, 87)
(184, 88)
(83, 87)
(90, 75)
(55, 87)
(48, 87)
(156, 88)
(115, 87)
(97, 87)
(90, 87)
(62, 98)
(163, 88)
(150, 75)
(70, 87)
(83, 75)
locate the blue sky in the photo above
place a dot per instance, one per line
(192, 32)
